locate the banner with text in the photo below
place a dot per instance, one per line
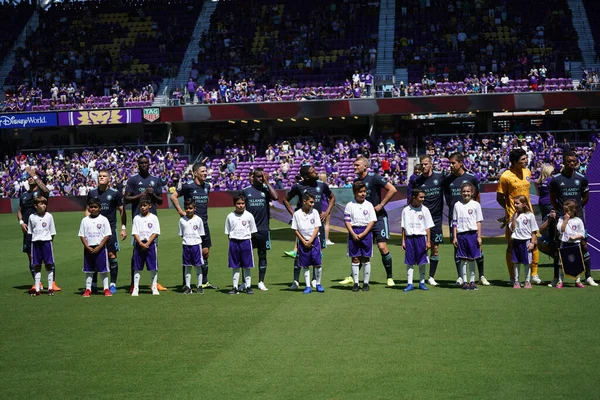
(36, 120)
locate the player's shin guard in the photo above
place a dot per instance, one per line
(588, 265)
(296, 270)
(535, 261)
(433, 264)
(113, 264)
(205, 271)
(510, 265)
(262, 264)
(386, 259)
(480, 265)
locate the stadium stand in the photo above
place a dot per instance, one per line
(16, 16)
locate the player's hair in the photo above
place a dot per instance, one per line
(364, 160)
(415, 193)
(458, 157)
(523, 200)
(307, 196)
(258, 169)
(569, 154)
(145, 199)
(304, 170)
(143, 156)
(189, 202)
(40, 199)
(197, 166)
(547, 170)
(515, 155)
(418, 167)
(467, 184)
(104, 170)
(572, 206)
(356, 186)
(239, 196)
(94, 201)
(425, 157)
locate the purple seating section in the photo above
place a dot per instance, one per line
(516, 85)
(14, 18)
(99, 102)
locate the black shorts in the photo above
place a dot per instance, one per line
(206, 242)
(437, 235)
(381, 230)
(26, 243)
(112, 246)
(261, 240)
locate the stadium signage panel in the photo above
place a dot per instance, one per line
(100, 117)
(152, 114)
(27, 120)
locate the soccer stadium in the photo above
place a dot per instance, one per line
(372, 188)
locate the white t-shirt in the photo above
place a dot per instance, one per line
(416, 221)
(94, 229)
(466, 216)
(359, 214)
(146, 226)
(306, 223)
(574, 227)
(41, 228)
(525, 225)
(191, 230)
(240, 226)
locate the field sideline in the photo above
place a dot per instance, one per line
(445, 343)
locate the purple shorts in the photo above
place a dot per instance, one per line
(520, 254)
(42, 252)
(416, 250)
(95, 262)
(362, 248)
(468, 248)
(240, 254)
(192, 255)
(148, 257)
(312, 256)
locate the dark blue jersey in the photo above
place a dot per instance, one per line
(136, 185)
(434, 198)
(198, 193)
(257, 204)
(110, 201)
(26, 202)
(451, 188)
(564, 188)
(374, 183)
(318, 189)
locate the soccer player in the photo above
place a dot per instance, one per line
(111, 201)
(524, 235)
(139, 185)
(95, 232)
(306, 224)
(198, 190)
(375, 183)
(145, 231)
(191, 230)
(258, 195)
(416, 237)
(452, 192)
(240, 226)
(41, 228)
(25, 210)
(570, 184)
(318, 189)
(359, 218)
(514, 182)
(431, 183)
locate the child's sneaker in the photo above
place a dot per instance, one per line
(559, 285)
(87, 293)
(517, 285)
(200, 290)
(472, 286)
(249, 290)
(320, 288)
(107, 293)
(155, 291)
(465, 286)
(366, 287)
(50, 292)
(422, 286)
(135, 292)
(234, 291)
(187, 290)
(308, 290)
(553, 283)
(408, 288)
(356, 288)
(32, 289)
(579, 285)
(527, 285)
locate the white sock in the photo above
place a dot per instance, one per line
(355, 270)
(136, 280)
(88, 280)
(50, 278)
(104, 277)
(366, 272)
(517, 270)
(409, 274)
(561, 275)
(188, 275)
(527, 271)
(154, 277)
(472, 271)
(235, 273)
(578, 279)
(306, 276)
(318, 272)
(422, 270)
(247, 277)
(463, 270)
(199, 275)
(38, 280)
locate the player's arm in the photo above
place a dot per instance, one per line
(156, 197)
(102, 243)
(403, 239)
(38, 181)
(391, 191)
(585, 198)
(123, 214)
(368, 228)
(151, 239)
(546, 225)
(501, 199)
(286, 202)
(272, 192)
(428, 243)
(479, 241)
(501, 192)
(85, 245)
(314, 235)
(513, 221)
(301, 238)
(454, 228)
(130, 197)
(174, 200)
(20, 219)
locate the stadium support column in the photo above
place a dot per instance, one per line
(484, 122)
(72, 132)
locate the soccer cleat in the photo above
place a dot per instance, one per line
(107, 293)
(366, 287)
(484, 281)
(465, 286)
(559, 285)
(579, 285)
(516, 285)
(347, 281)
(553, 283)
(459, 282)
(261, 286)
(313, 284)
(234, 291)
(356, 288)
(160, 287)
(320, 288)
(135, 292)
(155, 290)
(536, 280)
(187, 290)
(472, 286)
(291, 253)
(34, 293)
(422, 286)
(50, 292)
(55, 287)
(87, 293)
(32, 289)
(408, 288)
(590, 281)
(432, 281)
(527, 285)
(308, 290)
(94, 289)
(295, 286)
(249, 290)
(200, 290)
(131, 289)
(390, 282)
(511, 282)
(329, 243)
(113, 289)
(209, 285)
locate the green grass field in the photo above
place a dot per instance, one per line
(444, 343)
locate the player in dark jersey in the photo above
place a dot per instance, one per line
(258, 195)
(570, 184)
(309, 184)
(111, 201)
(198, 190)
(452, 193)
(375, 183)
(430, 182)
(139, 185)
(25, 210)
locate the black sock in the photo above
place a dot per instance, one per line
(114, 270)
(32, 270)
(480, 265)
(457, 262)
(132, 271)
(386, 259)
(262, 265)
(296, 270)
(183, 275)
(433, 264)
(556, 267)
(205, 272)
(54, 272)
(95, 279)
(588, 265)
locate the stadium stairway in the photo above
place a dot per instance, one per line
(586, 38)
(202, 24)
(385, 47)
(9, 61)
